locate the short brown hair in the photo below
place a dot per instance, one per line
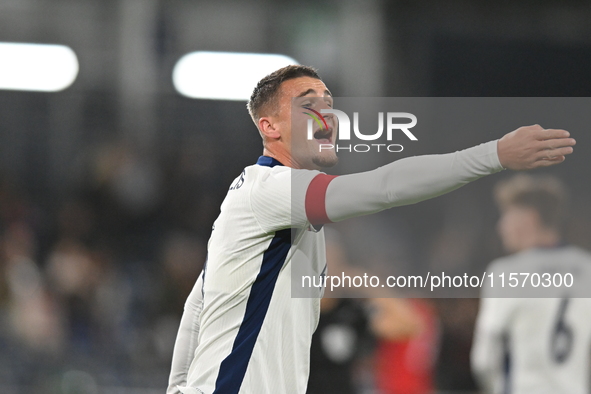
(544, 193)
(265, 93)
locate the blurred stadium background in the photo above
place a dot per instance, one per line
(108, 189)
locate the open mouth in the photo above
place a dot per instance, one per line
(323, 136)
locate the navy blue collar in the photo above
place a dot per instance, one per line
(268, 161)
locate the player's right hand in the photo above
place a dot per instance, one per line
(531, 147)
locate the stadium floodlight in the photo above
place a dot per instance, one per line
(224, 75)
(37, 67)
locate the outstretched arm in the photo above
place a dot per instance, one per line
(415, 179)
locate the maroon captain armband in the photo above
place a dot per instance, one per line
(316, 199)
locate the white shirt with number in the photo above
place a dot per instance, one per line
(536, 345)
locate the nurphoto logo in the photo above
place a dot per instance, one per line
(344, 130)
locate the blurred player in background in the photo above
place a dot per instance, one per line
(534, 345)
(405, 360)
(241, 331)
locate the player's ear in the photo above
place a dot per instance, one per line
(268, 129)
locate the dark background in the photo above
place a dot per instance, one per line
(108, 189)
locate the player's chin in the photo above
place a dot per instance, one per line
(325, 160)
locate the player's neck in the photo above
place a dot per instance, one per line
(284, 157)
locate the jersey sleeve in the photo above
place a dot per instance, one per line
(187, 339)
(408, 181)
(278, 200)
(296, 198)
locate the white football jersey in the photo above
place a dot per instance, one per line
(253, 336)
(536, 345)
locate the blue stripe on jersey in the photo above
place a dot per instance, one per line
(233, 368)
(268, 161)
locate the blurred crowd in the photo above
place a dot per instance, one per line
(96, 282)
